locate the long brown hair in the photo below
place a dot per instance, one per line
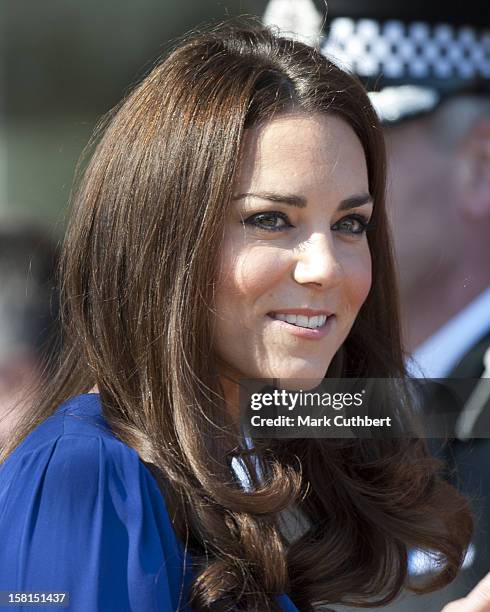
(137, 280)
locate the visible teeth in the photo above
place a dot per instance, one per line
(302, 320)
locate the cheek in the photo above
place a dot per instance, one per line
(246, 276)
(358, 279)
(245, 282)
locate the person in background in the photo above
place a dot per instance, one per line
(428, 70)
(28, 314)
(426, 66)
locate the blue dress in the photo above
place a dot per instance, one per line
(81, 513)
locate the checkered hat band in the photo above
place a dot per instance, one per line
(416, 50)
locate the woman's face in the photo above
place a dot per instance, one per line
(294, 248)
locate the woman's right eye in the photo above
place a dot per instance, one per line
(267, 221)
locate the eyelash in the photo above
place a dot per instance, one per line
(361, 219)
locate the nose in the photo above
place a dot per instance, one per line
(317, 263)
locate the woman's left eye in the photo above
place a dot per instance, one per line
(352, 224)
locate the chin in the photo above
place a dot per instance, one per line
(298, 374)
(297, 383)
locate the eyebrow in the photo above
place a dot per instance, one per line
(301, 202)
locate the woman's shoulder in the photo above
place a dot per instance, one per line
(75, 448)
(73, 453)
(80, 417)
(76, 490)
(75, 440)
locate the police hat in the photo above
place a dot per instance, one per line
(410, 55)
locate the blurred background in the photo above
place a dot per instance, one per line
(64, 64)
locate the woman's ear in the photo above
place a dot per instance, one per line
(473, 172)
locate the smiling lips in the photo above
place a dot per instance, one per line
(311, 323)
(307, 312)
(304, 317)
(302, 320)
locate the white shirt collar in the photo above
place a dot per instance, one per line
(435, 357)
(240, 469)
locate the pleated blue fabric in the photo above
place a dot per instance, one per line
(81, 513)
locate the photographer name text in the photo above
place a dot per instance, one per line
(324, 421)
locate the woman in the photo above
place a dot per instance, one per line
(241, 182)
